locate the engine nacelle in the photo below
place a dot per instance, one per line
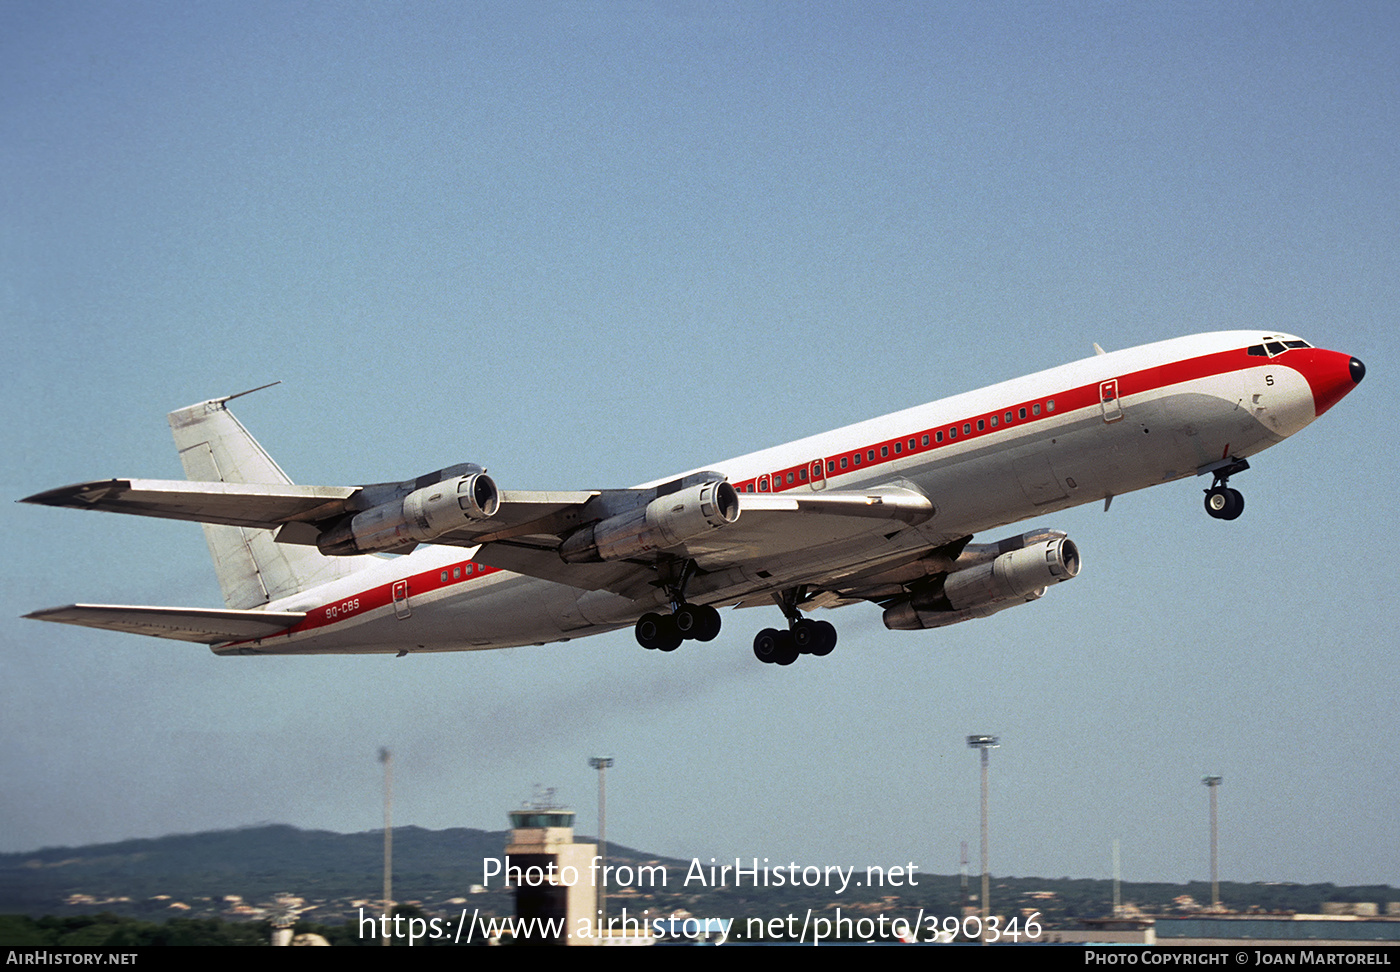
(664, 522)
(420, 517)
(1014, 577)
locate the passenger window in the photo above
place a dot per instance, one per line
(953, 432)
(444, 577)
(884, 451)
(1008, 418)
(801, 475)
(831, 466)
(967, 428)
(1021, 413)
(456, 572)
(843, 462)
(763, 485)
(981, 425)
(925, 442)
(898, 448)
(1035, 409)
(870, 455)
(1050, 405)
(994, 421)
(938, 436)
(857, 458)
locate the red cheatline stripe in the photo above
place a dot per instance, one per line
(1069, 400)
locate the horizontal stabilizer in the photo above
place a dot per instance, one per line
(234, 504)
(204, 626)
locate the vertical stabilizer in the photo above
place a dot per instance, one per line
(253, 569)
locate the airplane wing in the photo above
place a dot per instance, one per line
(234, 504)
(299, 512)
(611, 540)
(198, 625)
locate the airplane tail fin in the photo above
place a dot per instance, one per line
(253, 569)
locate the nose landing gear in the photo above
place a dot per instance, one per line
(1222, 502)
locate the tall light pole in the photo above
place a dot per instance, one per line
(388, 762)
(601, 764)
(1212, 783)
(985, 744)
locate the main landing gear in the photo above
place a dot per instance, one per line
(700, 622)
(1222, 502)
(686, 622)
(803, 636)
(665, 632)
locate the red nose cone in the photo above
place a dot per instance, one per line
(1330, 375)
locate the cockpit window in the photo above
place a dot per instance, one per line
(1270, 347)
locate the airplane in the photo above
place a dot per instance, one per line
(883, 511)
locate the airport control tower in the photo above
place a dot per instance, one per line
(552, 876)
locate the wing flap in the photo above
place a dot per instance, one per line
(199, 625)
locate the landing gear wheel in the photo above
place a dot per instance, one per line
(698, 621)
(710, 623)
(787, 649)
(658, 631)
(826, 638)
(773, 646)
(805, 636)
(1224, 503)
(765, 645)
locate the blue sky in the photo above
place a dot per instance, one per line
(587, 245)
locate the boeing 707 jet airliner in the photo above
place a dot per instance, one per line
(883, 511)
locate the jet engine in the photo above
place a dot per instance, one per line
(1000, 576)
(664, 522)
(420, 517)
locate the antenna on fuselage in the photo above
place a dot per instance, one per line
(1097, 350)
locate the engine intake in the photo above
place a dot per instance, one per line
(420, 517)
(1016, 577)
(664, 522)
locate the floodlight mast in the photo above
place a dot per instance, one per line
(601, 764)
(1212, 783)
(387, 759)
(984, 743)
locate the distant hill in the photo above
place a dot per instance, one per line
(236, 873)
(156, 877)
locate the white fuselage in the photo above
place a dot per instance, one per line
(1079, 433)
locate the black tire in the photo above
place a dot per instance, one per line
(787, 649)
(710, 623)
(648, 627)
(687, 618)
(826, 638)
(657, 631)
(805, 636)
(765, 645)
(1224, 503)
